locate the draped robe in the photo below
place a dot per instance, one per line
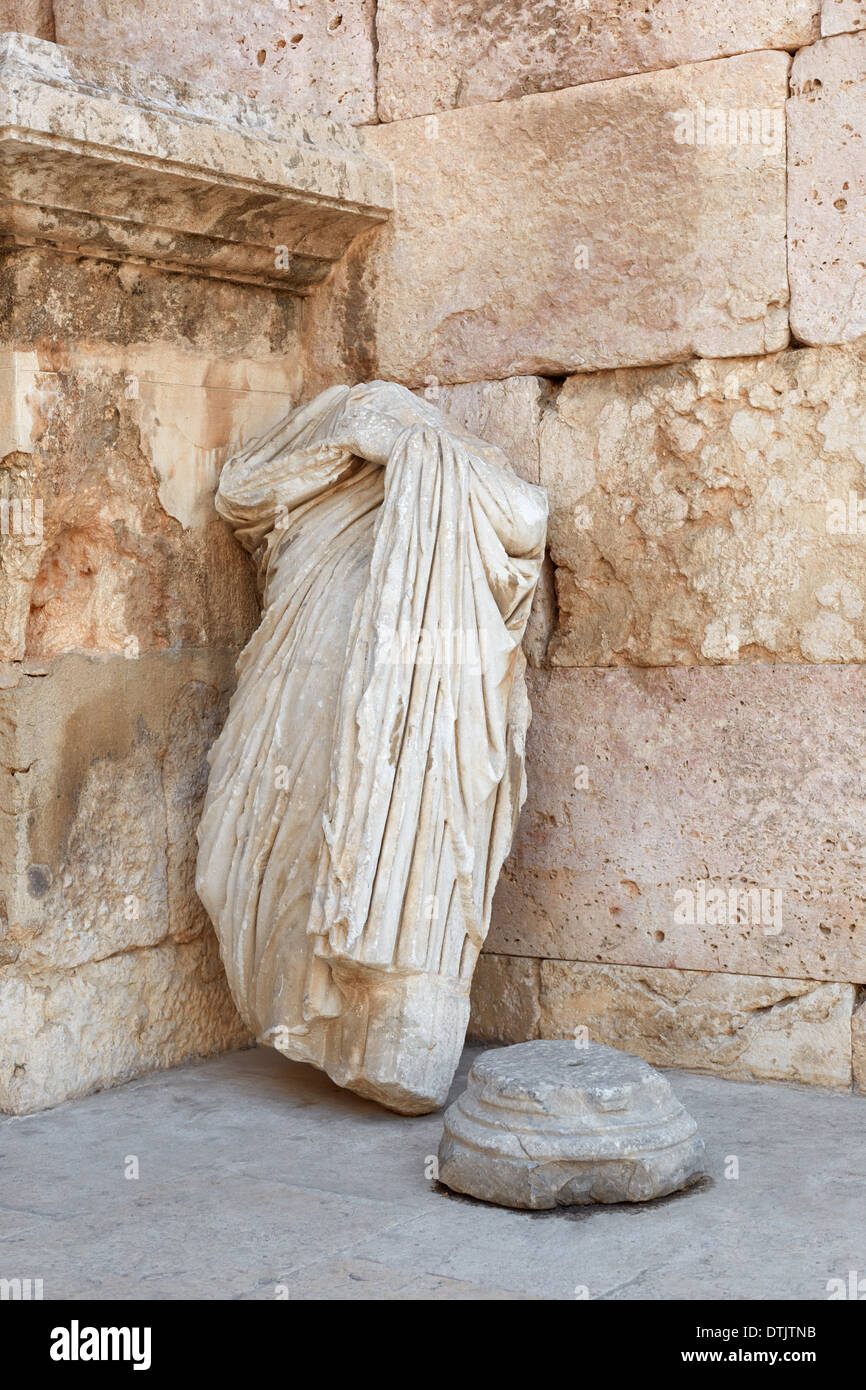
(365, 787)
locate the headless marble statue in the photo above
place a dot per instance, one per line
(365, 788)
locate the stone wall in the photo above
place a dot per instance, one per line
(123, 612)
(628, 245)
(144, 334)
(630, 242)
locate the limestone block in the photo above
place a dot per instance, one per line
(433, 55)
(505, 413)
(572, 231)
(508, 414)
(27, 17)
(842, 16)
(65, 1033)
(122, 390)
(111, 455)
(104, 771)
(104, 160)
(547, 1124)
(504, 999)
(740, 1026)
(858, 1043)
(827, 190)
(103, 768)
(710, 512)
(313, 56)
(693, 819)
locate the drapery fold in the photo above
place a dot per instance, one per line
(364, 791)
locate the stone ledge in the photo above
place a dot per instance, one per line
(746, 1027)
(99, 159)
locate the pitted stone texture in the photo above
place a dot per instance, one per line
(546, 1124)
(108, 964)
(102, 159)
(314, 57)
(842, 16)
(644, 785)
(702, 513)
(121, 392)
(568, 231)
(827, 190)
(740, 1026)
(505, 999)
(433, 55)
(34, 17)
(103, 766)
(65, 1033)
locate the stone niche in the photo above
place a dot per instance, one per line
(156, 245)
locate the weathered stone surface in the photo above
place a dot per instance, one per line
(505, 999)
(27, 17)
(65, 1033)
(108, 161)
(103, 767)
(649, 788)
(365, 788)
(113, 453)
(569, 231)
(708, 512)
(505, 413)
(827, 190)
(433, 55)
(508, 414)
(104, 770)
(842, 16)
(311, 56)
(858, 1042)
(121, 392)
(740, 1026)
(548, 1124)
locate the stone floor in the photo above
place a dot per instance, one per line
(256, 1173)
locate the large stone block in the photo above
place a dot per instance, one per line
(121, 394)
(101, 159)
(66, 1033)
(693, 819)
(433, 55)
(103, 768)
(505, 413)
(827, 190)
(505, 999)
(572, 231)
(309, 55)
(739, 1026)
(710, 512)
(842, 16)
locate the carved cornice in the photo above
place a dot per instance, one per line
(99, 159)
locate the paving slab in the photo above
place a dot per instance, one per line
(258, 1179)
